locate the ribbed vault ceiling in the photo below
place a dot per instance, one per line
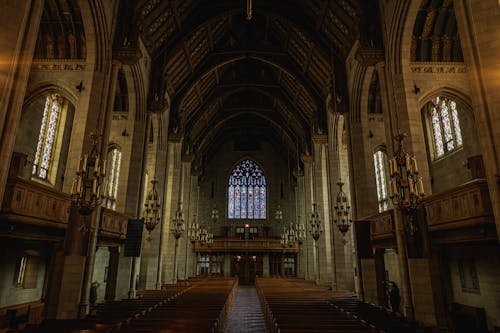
(269, 76)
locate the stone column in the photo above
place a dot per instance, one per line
(309, 244)
(172, 196)
(328, 261)
(20, 24)
(227, 265)
(114, 255)
(184, 242)
(265, 265)
(479, 29)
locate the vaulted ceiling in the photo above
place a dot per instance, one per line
(268, 76)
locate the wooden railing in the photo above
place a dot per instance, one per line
(30, 202)
(113, 224)
(463, 206)
(256, 245)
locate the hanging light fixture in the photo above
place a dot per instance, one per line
(315, 222)
(300, 231)
(152, 208)
(249, 10)
(406, 186)
(194, 231)
(342, 211)
(86, 187)
(278, 215)
(178, 223)
(215, 214)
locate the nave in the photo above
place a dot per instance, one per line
(341, 156)
(272, 305)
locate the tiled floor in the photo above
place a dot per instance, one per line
(246, 314)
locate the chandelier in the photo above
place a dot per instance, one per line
(315, 222)
(278, 215)
(288, 237)
(206, 237)
(342, 211)
(86, 187)
(178, 226)
(194, 232)
(406, 186)
(152, 208)
(215, 214)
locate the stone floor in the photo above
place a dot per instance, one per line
(246, 314)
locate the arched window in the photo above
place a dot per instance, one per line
(114, 158)
(445, 126)
(47, 137)
(380, 162)
(247, 192)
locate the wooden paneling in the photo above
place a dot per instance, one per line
(235, 245)
(464, 206)
(30, 202)
(113, 224)
(382, 226)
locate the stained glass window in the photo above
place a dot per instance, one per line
(445, 126)
(47, 136)
(380, 162)
(246, 192)
(115, 158)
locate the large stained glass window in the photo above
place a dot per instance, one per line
(445, 126)
(246, 192)
(115, 158)
(47, 136)
(380, 162)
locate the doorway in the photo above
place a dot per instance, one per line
(247, 267)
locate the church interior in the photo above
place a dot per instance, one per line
(250, 166)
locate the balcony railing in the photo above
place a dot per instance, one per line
(463, 206)
(30, 202)
(113, 224)
(382, 225)
(235, 245)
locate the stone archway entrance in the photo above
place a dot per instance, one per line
(247, 266)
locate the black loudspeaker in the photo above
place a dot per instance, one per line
(134, 238)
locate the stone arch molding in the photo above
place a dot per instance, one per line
(446, 91)
(43, 88)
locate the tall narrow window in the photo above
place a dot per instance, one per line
(380, 162)
(47, 137)
(445, 126)
(114, 157)
(247, 192)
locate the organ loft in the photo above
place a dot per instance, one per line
(249, 166)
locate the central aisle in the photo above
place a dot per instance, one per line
(246, 314)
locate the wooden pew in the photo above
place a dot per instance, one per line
(296, 306)
(202, 308)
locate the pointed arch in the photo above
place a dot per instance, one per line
(247, 191)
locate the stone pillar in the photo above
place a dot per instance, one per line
(114, 256)
(265, 265)
(227, 265)
(171, 199)
(184, 242)
(307, 199)
(406, 291)
(479, 29)
(328, 260)
(20, 24)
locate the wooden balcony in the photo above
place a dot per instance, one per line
(465, 206)
(31, 203)
(237, 245)
(382, 226)
(113, 224)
